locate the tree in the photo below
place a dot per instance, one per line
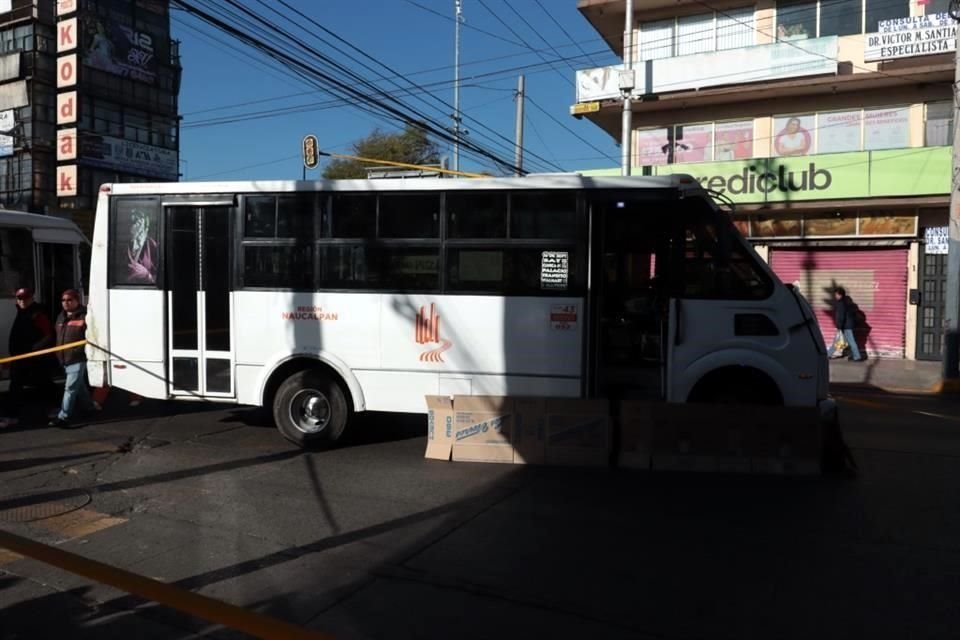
(411, 146)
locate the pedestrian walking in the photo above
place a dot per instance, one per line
(845, 318)
(31, 331)
(72, 327)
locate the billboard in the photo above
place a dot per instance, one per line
(130, 157)
(119, 49)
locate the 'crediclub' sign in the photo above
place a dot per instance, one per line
(911, 37)
(827, 176)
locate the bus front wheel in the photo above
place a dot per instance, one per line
(310, 409)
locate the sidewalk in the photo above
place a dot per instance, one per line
(892, 376)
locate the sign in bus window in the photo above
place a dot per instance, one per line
(554, 269)
(136, 247)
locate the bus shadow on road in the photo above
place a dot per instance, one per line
(369, 427)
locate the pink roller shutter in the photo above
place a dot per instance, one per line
(875, 279)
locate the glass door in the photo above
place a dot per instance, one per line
(199, 302)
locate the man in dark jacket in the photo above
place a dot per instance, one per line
(31, 331)
(846, 320)
(72, 327)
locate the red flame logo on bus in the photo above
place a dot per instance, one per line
(428, 332)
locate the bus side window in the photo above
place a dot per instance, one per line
(16, 260)
(717, 265)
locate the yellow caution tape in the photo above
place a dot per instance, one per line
(203, 607)
(43, 352)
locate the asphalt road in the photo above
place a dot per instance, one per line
(372, 541)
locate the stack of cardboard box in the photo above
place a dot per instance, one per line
(659, 436)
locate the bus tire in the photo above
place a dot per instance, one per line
(310, 409)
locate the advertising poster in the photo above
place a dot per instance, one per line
(793, 135)
(124, 155)
(734, 141)
(693, 143)
(839, 131)
(886, 128)
(119, 49)
(652, 146)
(136, 253)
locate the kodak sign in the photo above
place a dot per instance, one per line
(67, 102)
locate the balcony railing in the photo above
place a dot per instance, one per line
(814, 56)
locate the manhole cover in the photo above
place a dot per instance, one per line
(26, 510)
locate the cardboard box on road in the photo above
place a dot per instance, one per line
(636, 434)
(530, 426)
(439, 427)
(785, 440)
(483, 429)
(700, 437)
(578, 432)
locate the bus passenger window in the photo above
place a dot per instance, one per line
(278, 266)
(476, 215)
(544, 214)
(407, 268)
(410, 216)
(353, 216)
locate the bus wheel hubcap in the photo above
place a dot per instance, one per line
(310, 411)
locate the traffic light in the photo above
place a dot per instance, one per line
(311, 152)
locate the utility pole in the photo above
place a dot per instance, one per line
(626, 87)
(456, 85)
(518, 153)
(951, 321)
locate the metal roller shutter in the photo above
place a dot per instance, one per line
(875, 280)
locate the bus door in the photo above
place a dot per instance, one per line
(198, 309)
(628, 309)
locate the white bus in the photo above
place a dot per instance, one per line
(323, 299)
(41, 252)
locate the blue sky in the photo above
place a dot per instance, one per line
(221, 80)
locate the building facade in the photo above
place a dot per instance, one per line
(88, 95)
(827, 122)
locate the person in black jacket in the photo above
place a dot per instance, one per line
(72, 327)
(846, 320)
(31, 331)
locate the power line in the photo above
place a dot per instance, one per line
(536, 32)
(569, 37)
(519, 37)
(571, 131)
(332, 83)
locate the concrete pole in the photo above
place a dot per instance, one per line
(456, 87)
(518, 152)
(951, 338)
(627, 126)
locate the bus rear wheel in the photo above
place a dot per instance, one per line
(310, 409)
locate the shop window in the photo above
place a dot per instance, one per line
(796, 20)
(838, 224)
(939, 125)
(841, 17)
(787, 226)
(839, 131)
(693, 143)
(887, 224)
(886, 128)
(879, 10)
